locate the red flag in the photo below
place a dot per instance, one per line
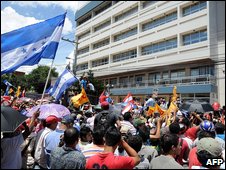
(128, 98)
(127, 108)
(102, 97)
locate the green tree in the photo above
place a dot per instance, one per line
(37, 78)
(34, 80)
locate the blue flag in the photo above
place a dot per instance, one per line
(65, 80)
(49, 89)
(8, 84)
(27, 45)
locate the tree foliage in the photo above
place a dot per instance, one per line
(34, 80)
(38, 77)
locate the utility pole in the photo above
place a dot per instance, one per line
(75, 53)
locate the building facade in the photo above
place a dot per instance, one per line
(146, 46)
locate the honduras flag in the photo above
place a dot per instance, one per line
(8, 84)
(65, 80)
(27, 45)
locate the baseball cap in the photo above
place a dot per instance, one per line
(210, 145)
(67, 120)
(139, 121)
(105, 105)
(52, 119)
(97, 107)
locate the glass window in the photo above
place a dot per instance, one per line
(154, 78)
(194, 8)
(100, 62)
(187, 39)
(173, 74)
(102, 26)
(158, 77)
(101, 44)
(82, 67)
(80, 22)
(105, 7)
(131, 80)
(195, 37)
(178, 73)
(161, 46)
(194, 72)
(148, 3)
(203, 35)
(126, 14)
(151, 78)
(159, 21)
(125, 34)
(113, 81)
(165, 75)
(83, 51)
(202, 71)
(125, 55)
(181, 73)
(83, 35)
(139, 79)
(123, 80)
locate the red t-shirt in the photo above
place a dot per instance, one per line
(193, 160)
(109, 161)
(191, 133)
(184, 149)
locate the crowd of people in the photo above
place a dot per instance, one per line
(95, 137)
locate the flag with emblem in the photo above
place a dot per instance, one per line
(80, 99)
(65, 80)
(27, 45)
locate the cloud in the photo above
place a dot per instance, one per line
(68, 27)
(67, 5)
(27, 69)
(11, 20)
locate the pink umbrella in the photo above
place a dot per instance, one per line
(49, 109)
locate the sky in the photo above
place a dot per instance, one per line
(17, 14)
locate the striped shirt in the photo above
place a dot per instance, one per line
(126, 125)
(92, 149)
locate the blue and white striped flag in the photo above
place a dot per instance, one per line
(65, 80)
(27, 45)
(8, 84)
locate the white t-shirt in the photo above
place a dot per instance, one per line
(91, 86)
(40, 156)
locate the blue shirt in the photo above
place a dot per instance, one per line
(67, 158)
(51, 142)
(84, 84)
(222, 136)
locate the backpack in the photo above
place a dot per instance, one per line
(103, 120)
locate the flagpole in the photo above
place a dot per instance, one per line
(46, 82)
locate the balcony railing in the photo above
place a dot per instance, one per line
(189, 80)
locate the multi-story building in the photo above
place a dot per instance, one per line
(143, 46)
